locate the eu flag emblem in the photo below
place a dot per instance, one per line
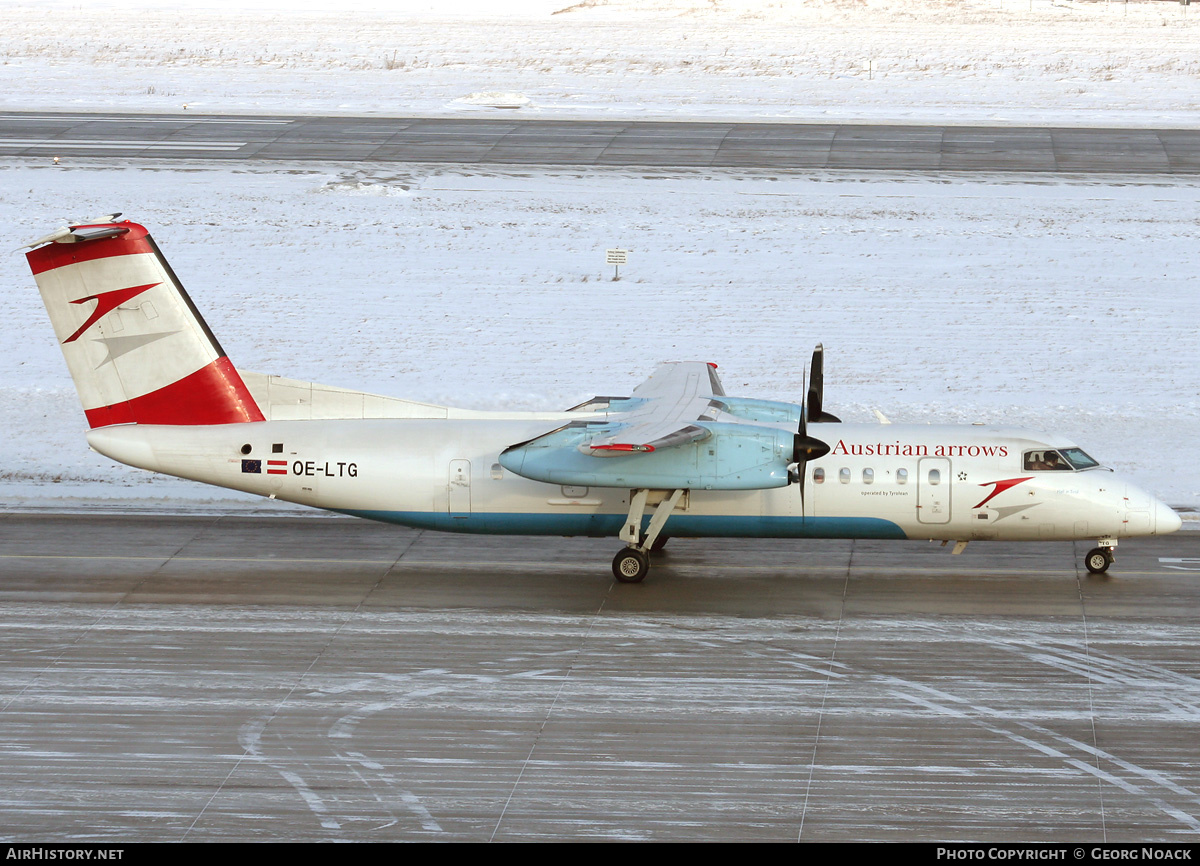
(254, 466)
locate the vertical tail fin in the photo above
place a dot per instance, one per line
(138, 350)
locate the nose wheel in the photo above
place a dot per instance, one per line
(630, 565)
(1098, 559)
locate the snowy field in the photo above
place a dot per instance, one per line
(1057, 303)
(995, 61)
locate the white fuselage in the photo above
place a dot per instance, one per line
(879, 481)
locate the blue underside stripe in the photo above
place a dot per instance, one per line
(606, 525)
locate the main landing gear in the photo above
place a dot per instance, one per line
(632, 564)
(1098, 559)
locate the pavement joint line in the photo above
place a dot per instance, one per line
(550, 709)
(100, 616)
(1091, 684)
(246, 752)
(812, 762)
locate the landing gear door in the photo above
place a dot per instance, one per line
(458, 490)
(933, 490)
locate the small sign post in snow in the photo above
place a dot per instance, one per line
(616, 258)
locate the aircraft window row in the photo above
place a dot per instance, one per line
(1064, 460)
(868, 476)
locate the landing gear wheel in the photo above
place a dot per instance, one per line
(1098, 560)
(659, 543)
(630, 565)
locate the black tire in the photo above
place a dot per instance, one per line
(1097, 560)
(630, 566)
(659, 543)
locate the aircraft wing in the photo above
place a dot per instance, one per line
(667, 404)
(691, 378)
(676, 431)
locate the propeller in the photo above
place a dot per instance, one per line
(805, 447)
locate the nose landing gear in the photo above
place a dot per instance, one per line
(1098, 559)
(632, 564)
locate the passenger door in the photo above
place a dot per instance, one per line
(458, 491)
(933, 490)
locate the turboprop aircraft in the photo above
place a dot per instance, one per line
(676, 457)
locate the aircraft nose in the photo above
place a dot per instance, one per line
(1165, 518)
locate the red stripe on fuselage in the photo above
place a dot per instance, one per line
(57, 255)
(214, 394)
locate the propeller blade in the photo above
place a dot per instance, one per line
(817, 385)
(816, 390)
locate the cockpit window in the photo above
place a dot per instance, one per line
(1078, 458)
(1040, 461)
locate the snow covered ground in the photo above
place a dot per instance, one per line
(1056, 303)
(996, 61)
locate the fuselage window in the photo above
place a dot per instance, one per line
(818, 475)
(901, 476)
(1048, 460)
(844, 475)
(935, 477)
(868, 476)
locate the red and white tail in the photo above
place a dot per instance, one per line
(134, 343)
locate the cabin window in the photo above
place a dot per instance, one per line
(935, 477)
(1078, 458)
(901, 476)
(844, 475)
(818, 475)
(868, 476)
(1048, 460)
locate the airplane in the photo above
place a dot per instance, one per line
(677, 457)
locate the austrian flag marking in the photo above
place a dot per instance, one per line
(277, 467)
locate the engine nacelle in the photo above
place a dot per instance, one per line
(734, 457)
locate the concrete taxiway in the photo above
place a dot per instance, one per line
(309, 678)
(506, 140)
